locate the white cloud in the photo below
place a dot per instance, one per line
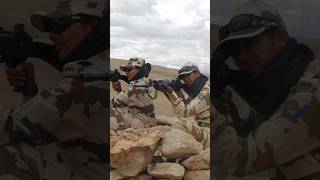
(164, 32)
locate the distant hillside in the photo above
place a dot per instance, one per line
(157, 72)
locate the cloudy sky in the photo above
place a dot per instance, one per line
(164, 32)
(302, 16)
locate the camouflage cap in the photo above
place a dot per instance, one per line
(187, 68)
(68, 8)
(133, 62)
(250, 19)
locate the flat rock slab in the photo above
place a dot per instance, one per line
(197, 175)
(166, 170)
(199, 161)
(177, 144)
(132, 150)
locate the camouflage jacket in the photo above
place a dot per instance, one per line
(133, 106)
(198, 108)
(287, 142)
(67, 122)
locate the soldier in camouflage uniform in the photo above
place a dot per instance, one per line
(267, 120)
(133, 106)
(193, 106)
(60, 132)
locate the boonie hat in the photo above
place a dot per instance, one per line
(187, 68)
(67, 9)
(251, 19)
(133, 62)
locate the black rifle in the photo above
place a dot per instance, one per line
(219, 72)
(223, 76)
(113, 76)
(17, 46)
(161, 86)
(14, 46)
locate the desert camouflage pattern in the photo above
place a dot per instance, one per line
(61, 132)
(198, 108)
(66, 8)
(289, 140)
(133, 62)
(187, 68)
(195, 116)
(133, 107)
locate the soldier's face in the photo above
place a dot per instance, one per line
(253, 54)
(190, 78)
(65, 42)
(133, 72)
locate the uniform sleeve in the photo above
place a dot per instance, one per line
(196, 106)
(288, 134)
(60, 113)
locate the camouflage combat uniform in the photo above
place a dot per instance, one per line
(61, 132)
(198, 108)
(134, 107)
(194, 116)
(281, 143)
(288, 140)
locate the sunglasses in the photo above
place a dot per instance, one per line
(243, 22)
(59, 25)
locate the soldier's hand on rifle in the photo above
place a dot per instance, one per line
(167, 89)
(22, 79)
(117, 86)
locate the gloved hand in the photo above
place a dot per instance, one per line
(22, 79)
(117, 86)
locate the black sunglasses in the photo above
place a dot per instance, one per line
(59, 25)
(245, 21)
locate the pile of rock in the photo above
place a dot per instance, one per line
(163, 152)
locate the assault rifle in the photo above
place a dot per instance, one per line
(160, 85)
(113, 76)
(16, 46)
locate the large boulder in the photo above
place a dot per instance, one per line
(132, 150)
(166, 170)
(177, 144)
(199, 161)
(197, 174)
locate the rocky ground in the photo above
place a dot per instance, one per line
(160, 152)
